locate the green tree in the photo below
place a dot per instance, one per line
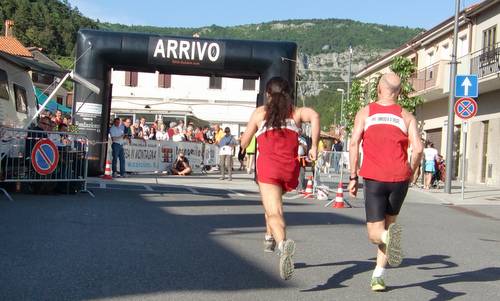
(357, 99)
(405, 69)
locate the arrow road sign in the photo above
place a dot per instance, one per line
(466, 108)
(466, 86)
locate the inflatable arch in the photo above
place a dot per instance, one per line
(99, 51)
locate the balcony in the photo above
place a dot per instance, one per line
(486, 61)
(425, 78)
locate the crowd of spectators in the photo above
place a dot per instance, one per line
(175, 131)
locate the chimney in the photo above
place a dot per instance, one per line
(9, 24)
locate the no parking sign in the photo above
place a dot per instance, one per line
(44, 157)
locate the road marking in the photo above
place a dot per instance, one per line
(102, 185)
(148, 188)
(237, 193)
(292, 197)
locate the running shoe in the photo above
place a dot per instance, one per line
(269, 245)
(393, 249)
(377, 284)
(286, 261)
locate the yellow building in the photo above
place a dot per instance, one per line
(477, 53)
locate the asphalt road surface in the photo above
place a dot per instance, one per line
(173, 244)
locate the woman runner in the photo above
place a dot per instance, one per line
(276, 127)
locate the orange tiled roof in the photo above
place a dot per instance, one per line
(12, 46)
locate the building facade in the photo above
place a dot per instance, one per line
(477, 53)
(167, 97)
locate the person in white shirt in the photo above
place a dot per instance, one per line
(117, 135)
(161, 134)
(430, 157)
(178, 136)
(145, 129)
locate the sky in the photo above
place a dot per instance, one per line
(198, 13)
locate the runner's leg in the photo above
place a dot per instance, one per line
(273, 206)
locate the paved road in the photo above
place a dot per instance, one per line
(173, 244)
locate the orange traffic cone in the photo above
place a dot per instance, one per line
(107, 171)
(339, 198)
(308, 194)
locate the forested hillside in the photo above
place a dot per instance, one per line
(323, 44)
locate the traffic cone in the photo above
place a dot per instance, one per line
(107, 171)
(339, 198)
(308, 194)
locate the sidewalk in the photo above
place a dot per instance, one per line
(473, 195)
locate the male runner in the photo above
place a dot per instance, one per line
(386, 129)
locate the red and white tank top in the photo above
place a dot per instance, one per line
(278, 144)
(385, 145)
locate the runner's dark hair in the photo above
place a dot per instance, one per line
(279, 105)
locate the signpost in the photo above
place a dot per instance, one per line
(44, 157)
(465, 108)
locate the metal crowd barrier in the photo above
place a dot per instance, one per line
(39, 158)
(329, 169)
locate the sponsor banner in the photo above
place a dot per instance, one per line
(141, 155)
(158, 156)
(191, 52)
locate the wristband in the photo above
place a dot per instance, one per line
(353, 178)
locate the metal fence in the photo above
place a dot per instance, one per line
(38, 157)
(329, 170)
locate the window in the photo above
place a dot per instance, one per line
(4, 85)
(59, 100)
(215, 82)
(164, 80)
(249, 84)
(69, 100)
(131, 78)
(489, 38)
(21, 101)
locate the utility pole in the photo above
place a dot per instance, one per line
(349, 75)
(451, 103)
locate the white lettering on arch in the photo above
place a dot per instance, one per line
(160, 49)
(213, 52)
(172, 48)
(184, 50)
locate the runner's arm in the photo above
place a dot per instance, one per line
(415, 142)
(251, 129)
(311, 116)
(356, 137)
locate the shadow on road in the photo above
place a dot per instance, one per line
(123, 244)
(430, 262)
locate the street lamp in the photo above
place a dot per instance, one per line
(341, 105)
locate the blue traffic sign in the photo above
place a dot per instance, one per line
(466, 86)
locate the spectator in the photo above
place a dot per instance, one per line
(161, 134)
(57, 119)
(218, 133)
(36, 133)
(127, 123)
(337, 149)
(171, 130)
(199, 135)
(226, 145)
(190, 134)
(250, 150)
(145, 129)
(67, 120)
(241, 155)
(135, 129)
(180, 126)
(178, 136)
(117, 134)
(430, 157)
(209, 135)
(181, 166)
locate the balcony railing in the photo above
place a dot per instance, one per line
(486, 61)
(425, 78)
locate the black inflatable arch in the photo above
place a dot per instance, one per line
(99, 51)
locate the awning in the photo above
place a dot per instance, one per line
(52, 105)
(33, 65)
